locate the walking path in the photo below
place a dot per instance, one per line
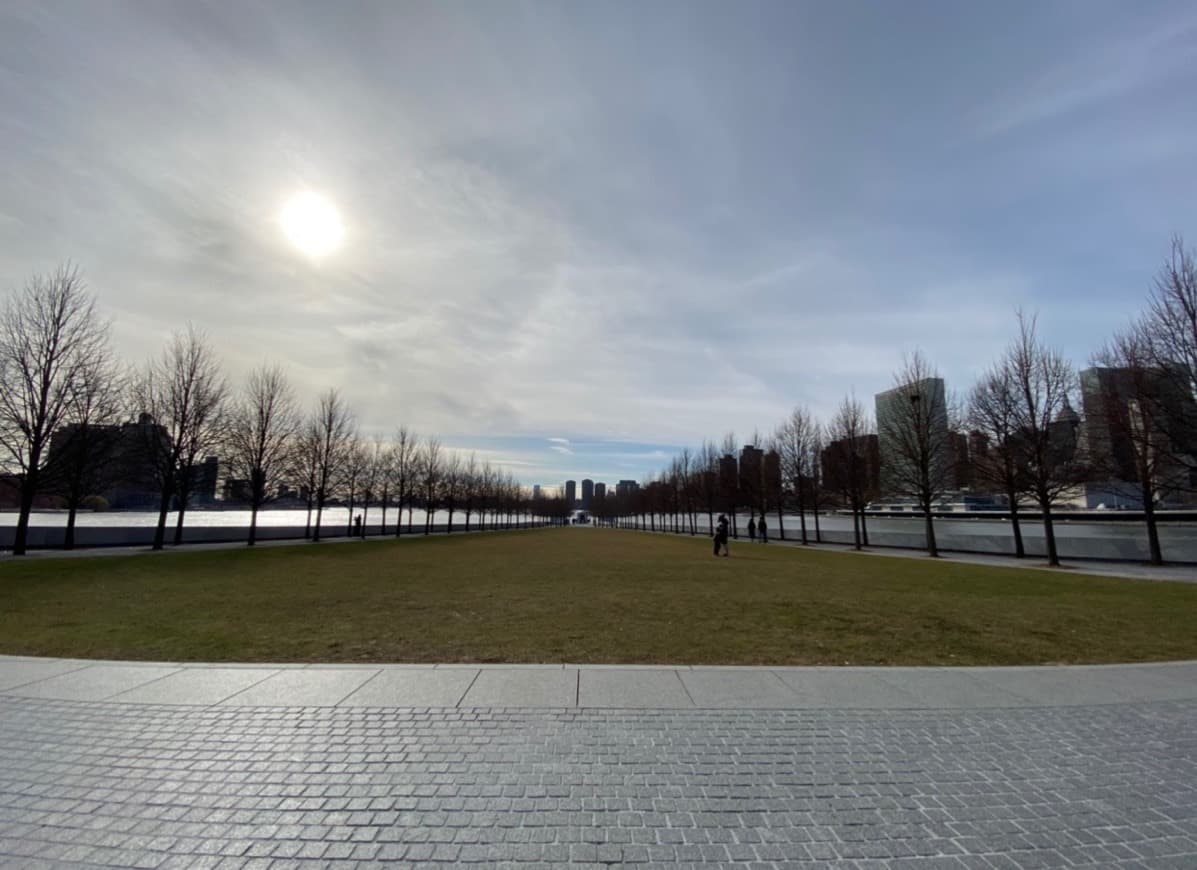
(1182, 573)
(116, 764)
(563, 686)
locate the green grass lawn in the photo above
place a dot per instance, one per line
(581, 595)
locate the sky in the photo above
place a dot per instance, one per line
(580, 236)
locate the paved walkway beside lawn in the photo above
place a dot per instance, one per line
(593, 686)
(116, 764)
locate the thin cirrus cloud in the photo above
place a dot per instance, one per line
(587, 219)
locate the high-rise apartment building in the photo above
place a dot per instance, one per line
(921, 403)
(587, 493)
(571, 493)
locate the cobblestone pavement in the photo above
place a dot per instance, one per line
(158, 786)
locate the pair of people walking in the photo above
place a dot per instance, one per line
(754, 528)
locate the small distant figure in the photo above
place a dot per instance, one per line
(357, 526)
(721, 535)
(763, 529)
(752, 528)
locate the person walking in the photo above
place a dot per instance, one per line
(721, 535)
(763, 529)
(752, 528)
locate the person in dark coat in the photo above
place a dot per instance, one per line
(721, 535)
(763, 529)
(752, 528)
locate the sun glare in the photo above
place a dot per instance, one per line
(312, 224)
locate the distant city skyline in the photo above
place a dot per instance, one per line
(574, 238)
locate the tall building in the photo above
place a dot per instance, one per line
(897, 410)
(587, 493)
(835, 463)
(1110, 398)
(600, 490)
(750, 478)
(729, 481)
(536, 490)
(626, 487)
(571, 493)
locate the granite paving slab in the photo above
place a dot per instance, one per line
(738, 688)
(93, 683)
(17, 672)
(196, 686)
(1081, 685)
(949, 687)
(845, 689)
(644, 689)
(303, 688)
(411, 687)
(534, 687)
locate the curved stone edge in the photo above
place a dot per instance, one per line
(566, 686)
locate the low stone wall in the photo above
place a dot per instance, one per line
(1126, 544)
(52, 537)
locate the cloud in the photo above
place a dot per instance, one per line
(553, 227)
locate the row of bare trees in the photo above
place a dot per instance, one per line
(59, 374)
(1032, 447)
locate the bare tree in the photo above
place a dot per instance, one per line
(260, 437)
(1131, 424)
(993, 415)
(376, 482)
(793, 441)
(914, 424)
(1046, 437)
(469, 475)
(429, 467)
(183, 392)
(404, 445)
(1169, 331)
(82, 458)
(814, 473)
(49, 337)
(450, 486)
(849, 465)
(729, 480)
(357, 461)
(330, 434)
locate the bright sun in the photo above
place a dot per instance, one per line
(312, 224)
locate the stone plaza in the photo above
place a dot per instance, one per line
(159, 765)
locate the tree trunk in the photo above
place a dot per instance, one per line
(319, 516)
(449, 528)
(160, 530)
(307, 526)
(802, 513)
(28, 488)
(365, 516)
(864, 527)
(856, 527)
(1049, 533)
(818, 531)
(1019, 549)
(179, 521)
(410, 509)
(932, 549)
(781, 529)
(349, 522)
(253, 523)
(68, 542)
(1153, 534)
